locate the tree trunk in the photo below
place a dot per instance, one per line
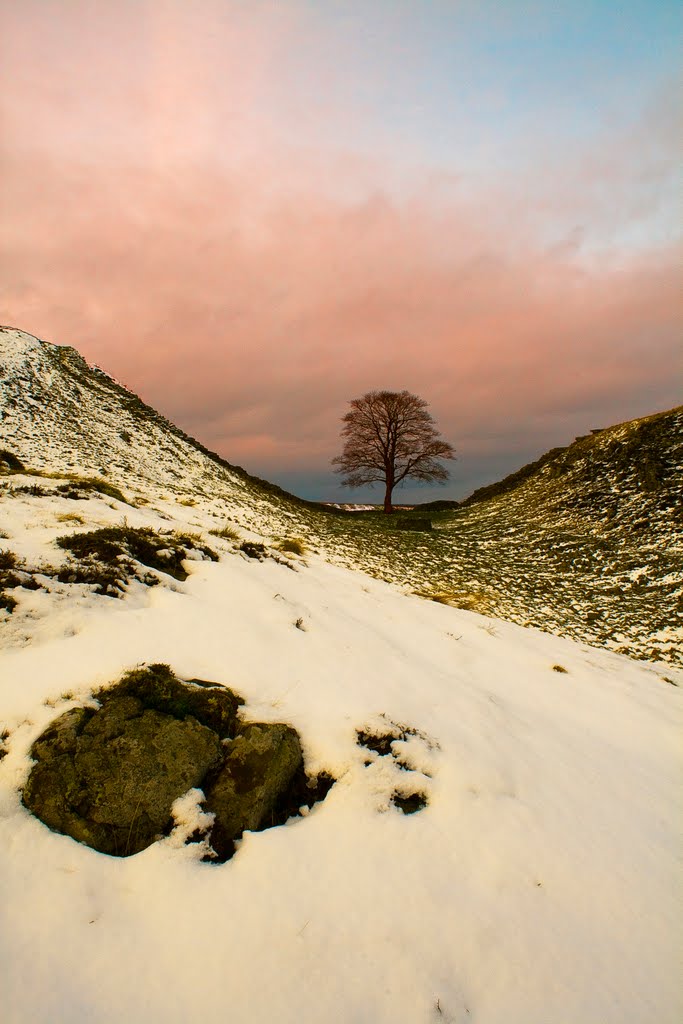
(388, 507)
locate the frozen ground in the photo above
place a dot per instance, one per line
(538, 885)
(590, 546)
(541, 882)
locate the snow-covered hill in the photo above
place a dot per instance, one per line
(537, 885)
(59, 414)
(586, 543)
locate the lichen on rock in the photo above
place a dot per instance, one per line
(110, 776)
(259, 766)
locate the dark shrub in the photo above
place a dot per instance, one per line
(412, 523)
(162, 551)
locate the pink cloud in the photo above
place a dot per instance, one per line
(255, 337)
(248, 289)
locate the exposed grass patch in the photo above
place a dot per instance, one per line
(409, 804)
(473, 601)
(292, 545)
(35, 490)
(8, 560)
(71, 517)
(80, 487)
(77, 488)
(193, 539)
(8, 579)
(252, 549)
(379, 742)
(559, 668)
(259, 552)
(46, 474)
(470, 601)
(415, 523)
(226, 532)
(106, 557)
(108, 580)
(380, 739)
(13, 574)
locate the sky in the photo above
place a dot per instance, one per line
(251, 213)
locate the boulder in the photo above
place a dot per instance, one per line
(108, 778)
(259, 767)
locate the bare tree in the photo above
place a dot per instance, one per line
(389, 437)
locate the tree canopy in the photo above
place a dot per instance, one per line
(389, 437)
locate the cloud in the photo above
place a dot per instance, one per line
(253, 328)
(248, 287)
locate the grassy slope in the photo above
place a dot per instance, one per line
(584, 542)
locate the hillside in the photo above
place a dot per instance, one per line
(587, 542)
(500, 844)
(59, 413)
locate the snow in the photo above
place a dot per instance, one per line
(15, 349)
(538, 884)
(567, 567)
(189, 818)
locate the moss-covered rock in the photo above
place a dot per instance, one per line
(108, 776)
(259, 767)
(213, 705)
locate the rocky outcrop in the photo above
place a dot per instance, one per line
(108, 776)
